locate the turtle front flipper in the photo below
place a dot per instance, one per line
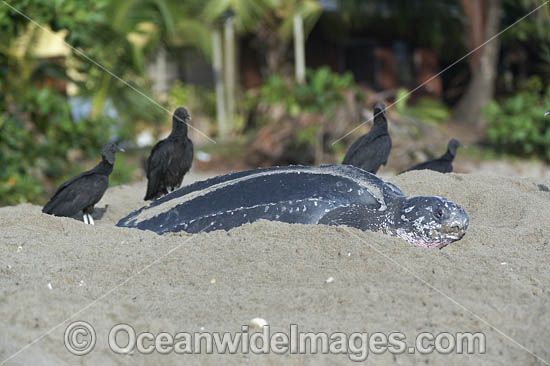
(357, 216)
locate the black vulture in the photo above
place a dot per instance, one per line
(83, 191)
(371, 150)
(170, 158)
(443, 164)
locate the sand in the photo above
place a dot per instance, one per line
(54, 271)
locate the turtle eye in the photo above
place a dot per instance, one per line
(438, 213)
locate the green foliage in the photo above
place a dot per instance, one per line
(35, 139)
(250, 15)
(307, 135)
(275, 90)
(199, 100)
(321, 92)
(517, 124)
(169, 22)
(426, 109)
(16, 185)
(37, 133)
(320, 95)
(247, 12)
(531, 36)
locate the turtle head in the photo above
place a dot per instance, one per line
(431, 222)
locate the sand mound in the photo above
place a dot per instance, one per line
(58, 269)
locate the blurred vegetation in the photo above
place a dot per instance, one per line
(35, 141)
(515, 120)
(320, 93)
(531, 35)
(517, 124)
(270, 21)
(37, 131)
(426, 109)
(300, 118)
(41, 143)
(201, 101)
(322, 90)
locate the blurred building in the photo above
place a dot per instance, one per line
(379, 56)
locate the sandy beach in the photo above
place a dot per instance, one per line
(54, 271)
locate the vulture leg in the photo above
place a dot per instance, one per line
(88, 211)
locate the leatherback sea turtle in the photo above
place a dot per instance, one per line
(331, 195)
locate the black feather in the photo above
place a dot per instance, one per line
(443, 164)
(83, 191)
(371, 151)
(170, 158)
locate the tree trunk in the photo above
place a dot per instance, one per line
(217, 56)
(299, 50)
(484, 66)
(475, 12)
(229, 34)
(274, 48)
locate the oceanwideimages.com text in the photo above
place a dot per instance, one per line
(123, 339)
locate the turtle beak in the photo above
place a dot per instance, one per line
(457, 223)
